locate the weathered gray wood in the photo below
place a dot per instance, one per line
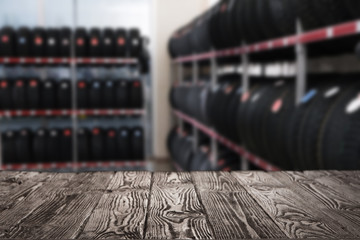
(130, 181)
(297, 216)
(60, 208)
(200, 205)
(121, 211)
(343, 182)
(174, 209)
(232, 212)
(342, 210)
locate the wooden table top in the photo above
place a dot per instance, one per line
(201, 205)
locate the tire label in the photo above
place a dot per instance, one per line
(245, 97)
(332, 92)
(353, 106)
(279, 83)
(228, 89)
(312, 93)
(255, 97)
(277, 106)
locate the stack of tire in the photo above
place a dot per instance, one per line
(320, 133)
(180, 145)
(32, 93)
(231, 22)
(40, 42)
(55, 145)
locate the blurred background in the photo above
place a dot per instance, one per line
(179, 85)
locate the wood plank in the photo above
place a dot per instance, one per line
(342, 182)
(339, 208)
(18, 190)
(61, 209)
(172, 179)
(232, 212)
(121, 212)
(175, 210)
(130, 181)
(296, 216)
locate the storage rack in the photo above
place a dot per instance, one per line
(73, 114)
(299, 41)
(138, 164)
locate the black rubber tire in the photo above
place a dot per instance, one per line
(34, 89)
(53, 146)
(9, 147)
(124, 145)
(293, 129)
(111, 144)
(66, 145)
(242, 114)
(339, 135)
(109, 94)
(19, 95)
(24, 146)
(6, 93)
(335, 12)
(40, 142)
(311, 125)
(83, 135)
(137, 143)
(308, 15)
(269, 121)
(353, 7)
(97, 144)
(231, 114)
(48, 94)
(64, 95)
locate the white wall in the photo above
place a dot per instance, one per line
(167, 16)
(90, 13)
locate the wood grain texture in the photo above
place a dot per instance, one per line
(121, 211)
(21, 201)
(343, 182)
(60, 208)
(199, 205)
(232, 212)
(130, 181)
(340, 209)
(174, 210)
(294, 214)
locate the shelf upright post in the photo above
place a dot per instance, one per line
(73, 65)
(195, 79)
(180, 81)
(245, 80)
(214, 80)
(301, 65)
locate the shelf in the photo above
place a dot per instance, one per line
(50, 61)
(231, 145)
(65, 112)
(327, 33)
(70, 165)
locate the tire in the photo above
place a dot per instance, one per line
(339, 136)
(242, 113)
(293, 129)
(335, 12)
(311, 124)
(353, 7)
(270, 118)
(308, 15)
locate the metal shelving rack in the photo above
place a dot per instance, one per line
(71, 62)
(299, 41)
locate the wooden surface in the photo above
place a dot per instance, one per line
(198, 205)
